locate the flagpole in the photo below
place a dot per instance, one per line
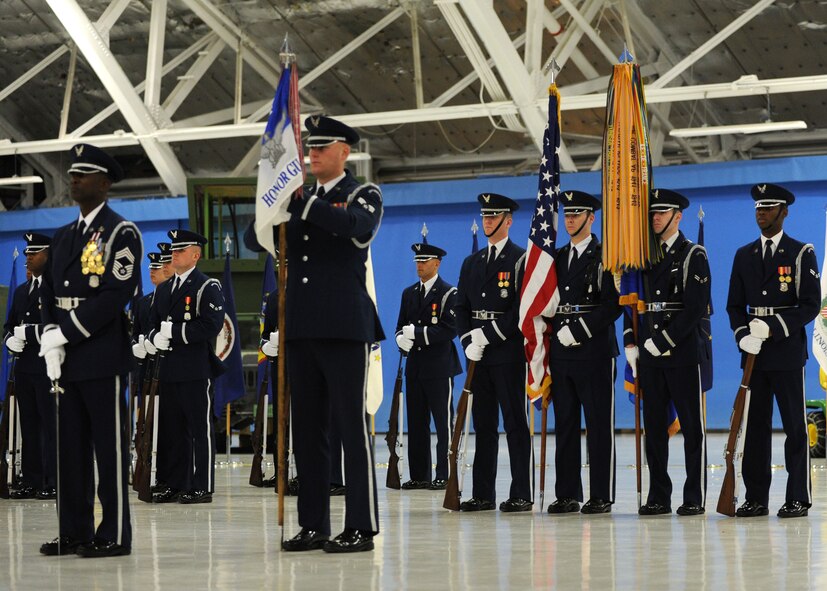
(288, 60)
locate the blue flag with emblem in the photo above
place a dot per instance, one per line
(631, 292)
(268, 286)
(706, 324)
(4, 370)
(229, 386)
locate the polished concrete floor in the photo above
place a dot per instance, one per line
(234, 543)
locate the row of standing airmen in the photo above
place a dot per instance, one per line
(83, 338)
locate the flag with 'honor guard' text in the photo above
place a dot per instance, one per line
(280, 167)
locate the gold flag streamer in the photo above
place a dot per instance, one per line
(627, 175)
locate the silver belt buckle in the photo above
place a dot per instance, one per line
(657, 307)
(566, 309)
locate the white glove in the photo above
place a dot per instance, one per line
(20, 332)
(271, 347)
(166, 329)
(757, 328)
(54, 359)
(750, 344)
(15, 344)
(408, 331)
(478, 337)
(160, 341)
(649, 345)
(632, 353)
(474, 352)
(404, 343)
(565, 337)
(150, 348)
(138, 349)
(51, 339)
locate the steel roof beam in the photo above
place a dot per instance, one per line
(117, 84)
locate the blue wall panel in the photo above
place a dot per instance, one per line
(449, 209)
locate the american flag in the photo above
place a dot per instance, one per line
(539, 295)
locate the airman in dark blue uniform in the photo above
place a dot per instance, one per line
(676, 292)
(487, 311)
(583, 349)
(36, 404)
(269, 346)
(186, 316)
(331, 324)
(93, 273)
(774, 293)
(425, 331)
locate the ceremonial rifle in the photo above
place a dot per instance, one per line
(453, 492)
(260, 430)
(143, 473)
(728, 499)
(6, 423)
(392, 437)
(140, 426)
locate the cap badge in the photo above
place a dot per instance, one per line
(486, 198)
(28, 237)
(569, 196)
(656, 193)
(79, 150)
(418, 247)
(174, 233)
(762, 189)
(315, 121)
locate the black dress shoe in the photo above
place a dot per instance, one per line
(350, 540)
(337, 490)
(515, 505)
(306, 539)
(293, 487)
(564, 505)
(168, 495)
(270, 482)
(416, 485)
(101, 549)
(654, 509)
(793, 509)
(476, 505)
(160, 487)
(690, 509)
(752, 509)
(26, 492)
(66, 546)
(50, 492)
(194, 497)
(438, 484)
(596, 507)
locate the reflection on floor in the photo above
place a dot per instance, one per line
(234, 543)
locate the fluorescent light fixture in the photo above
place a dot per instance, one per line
(733, 129)
(21, 180)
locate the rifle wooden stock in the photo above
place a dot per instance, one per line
(452, 492)
(260, 431)
(140, 424)
(638, 452)
(727, 500)
(392, 437)
(4, 432)
(143, 472)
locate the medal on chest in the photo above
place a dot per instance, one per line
(784, 278)
(503, 281)
(434, 314)
(187, 302)
(91, 260)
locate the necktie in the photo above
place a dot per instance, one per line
(492, 254)
(320, 193)
(81, 228)
(35, 284)
(768, 256)
(421, 293)
(573, 257)
(176, 284)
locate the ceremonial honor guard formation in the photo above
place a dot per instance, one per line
(109, 439)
